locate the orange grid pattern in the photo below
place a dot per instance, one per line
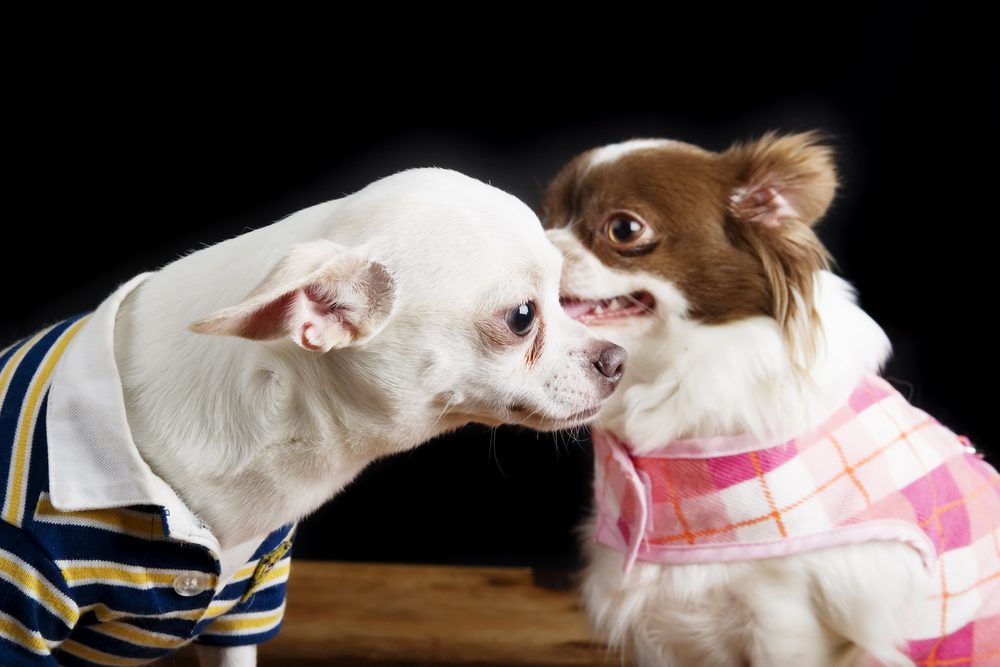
(702, 504)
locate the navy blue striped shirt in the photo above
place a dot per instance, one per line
(85, 581)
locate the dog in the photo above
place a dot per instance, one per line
(163, 447)
(763, 497)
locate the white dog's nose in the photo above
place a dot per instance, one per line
(610, 362)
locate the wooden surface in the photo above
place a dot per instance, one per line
(360, 614)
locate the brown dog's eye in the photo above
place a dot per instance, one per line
(521, 318)
(629, 234)
(624, 229)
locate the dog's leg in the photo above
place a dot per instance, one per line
(845, 606)
(820, 609)
(760, 620)
(782, 628)
(228, 656)
(864, 592)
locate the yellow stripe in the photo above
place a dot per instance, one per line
(38, 588)
(100, 657)
(138, 636)
(244, 572)
(128, 522)
(265, 565)
(245, 622)
(278, 572)
(19, 476)
(105, 613)
(12, 630)
(220, 607)
(8, 370)
(111, 574)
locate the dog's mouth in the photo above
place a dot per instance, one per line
(583, 415)
(536, 420)
(575, 417)
(597, 311)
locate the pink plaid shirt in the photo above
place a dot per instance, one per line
(878, 469)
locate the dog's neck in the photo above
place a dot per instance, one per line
(699, 380)
(250, 435)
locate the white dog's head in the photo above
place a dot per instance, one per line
(432, 299)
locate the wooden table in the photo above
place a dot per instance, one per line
(361, 614)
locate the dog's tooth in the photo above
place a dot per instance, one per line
(598, 309)
(615, 304)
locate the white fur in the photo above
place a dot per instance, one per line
(688, 379)
(613, 152)
(818, 608)
(253, 434)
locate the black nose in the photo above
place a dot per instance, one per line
(611, 362)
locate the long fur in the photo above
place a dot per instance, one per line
(774, 374)
(819, 608)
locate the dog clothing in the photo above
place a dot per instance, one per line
(878, 469)
(101, 563)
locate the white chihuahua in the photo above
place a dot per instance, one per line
(155, 472)
(763, 498)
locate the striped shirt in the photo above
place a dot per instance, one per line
(100, 561)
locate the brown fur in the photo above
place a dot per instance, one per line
(536, 345)
(495, 334)
(728, 267)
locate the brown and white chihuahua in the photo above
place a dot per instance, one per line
(763, 498)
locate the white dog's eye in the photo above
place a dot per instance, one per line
(521, 318)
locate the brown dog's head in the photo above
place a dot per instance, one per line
(659, 227)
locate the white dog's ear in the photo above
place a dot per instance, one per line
(782, 179)
(321, 295)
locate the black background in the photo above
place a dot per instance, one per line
(123, 153)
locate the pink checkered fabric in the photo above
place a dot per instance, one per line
(877, 469)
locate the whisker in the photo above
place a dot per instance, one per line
(637, 302)
(533, 412)
(493, 450)
(573, 223)
(443, 411)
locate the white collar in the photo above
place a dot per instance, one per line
(93, 462)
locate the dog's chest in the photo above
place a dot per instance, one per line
(878, 469)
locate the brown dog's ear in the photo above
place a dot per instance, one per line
(781, 186)
(321, 295)
(782, 179)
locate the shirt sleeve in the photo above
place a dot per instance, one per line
(258, 615)
(36, 610)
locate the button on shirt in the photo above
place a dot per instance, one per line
(101, 563)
